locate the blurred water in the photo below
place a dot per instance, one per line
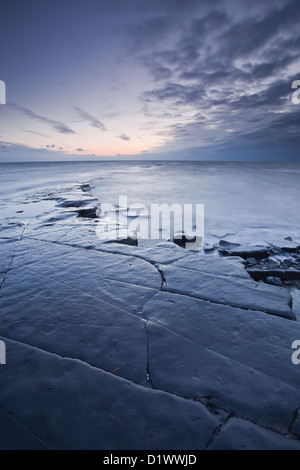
(248, 201)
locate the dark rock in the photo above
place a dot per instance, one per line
(85, 187)
(273, 261)
(287, 263)
(128, 241)
(181, 239)
(251, 260)
(247, 251)
(67, 204)
(75, 203)
(209, 249)
(91, 213)
(258, 274)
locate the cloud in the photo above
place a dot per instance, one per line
(271, 97)
(79, 149)
(36, 133)
(94, 122)
(231, 67)
(214, 44)
(12, 151)
(206, 73)
(60, 127)
(124, 137)
(157, 70)
(180, 94)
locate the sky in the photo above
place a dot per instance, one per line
(150, 79)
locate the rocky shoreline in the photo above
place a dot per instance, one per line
(120, 346)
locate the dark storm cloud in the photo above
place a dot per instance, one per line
(216, 41)
(233, 61)
(271, 97)
(60, 127)
(94, 122)
(219, 35)
(281, 128)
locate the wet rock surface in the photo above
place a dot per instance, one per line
(277, 263)
(282, 268)
(256, 252)
(117, 346)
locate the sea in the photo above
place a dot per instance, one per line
(250, 203)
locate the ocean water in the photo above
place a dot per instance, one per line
(245, 202)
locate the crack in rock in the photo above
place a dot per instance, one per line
(12, 257)
(49, 443)
(217, 431)
(149, 382)
(162, 275)
(294, 417)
